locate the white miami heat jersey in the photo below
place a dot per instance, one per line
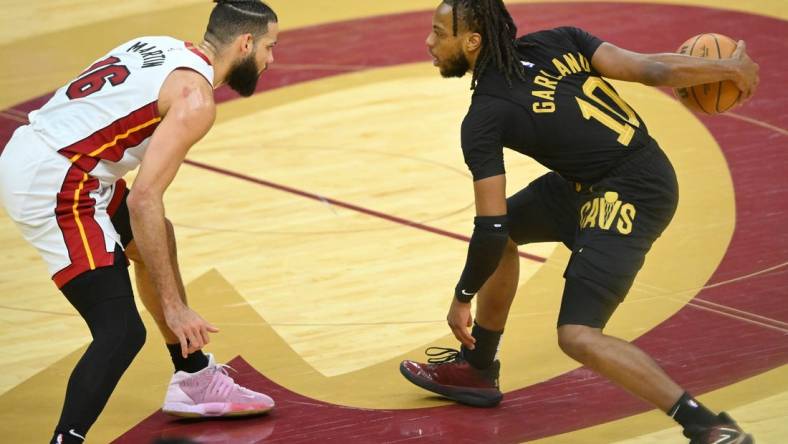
(103, 120)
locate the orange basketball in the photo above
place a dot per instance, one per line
(711, 98)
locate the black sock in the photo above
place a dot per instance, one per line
(483, 354)
(193, 363)
(692, 415)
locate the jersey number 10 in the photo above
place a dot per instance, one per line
(625, 129)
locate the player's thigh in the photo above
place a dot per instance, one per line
(544, 211)
(93, 287)
(600, 273)
(618, 224)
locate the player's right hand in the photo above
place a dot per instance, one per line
(190, 328)
(747, 78)
(460, 319)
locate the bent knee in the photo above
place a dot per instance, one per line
(511, 247)
(129, 333)
(135, 334)
(578, 341)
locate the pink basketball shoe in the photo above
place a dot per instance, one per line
(212, 392)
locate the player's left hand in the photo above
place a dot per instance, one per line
(460, 320)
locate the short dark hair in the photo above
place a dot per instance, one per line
(231, 18)
(494, 23)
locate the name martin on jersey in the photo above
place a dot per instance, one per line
(548, 83)
(151, 56)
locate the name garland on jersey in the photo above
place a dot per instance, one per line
(548, 83)
(151, 55)
(603, 211)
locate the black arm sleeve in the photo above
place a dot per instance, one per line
(481, 136)
(489, 238)
(585, 42)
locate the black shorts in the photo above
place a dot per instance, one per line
(609, 225)
(121, 220)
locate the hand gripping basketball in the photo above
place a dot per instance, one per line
(748, 79)
(742, 75)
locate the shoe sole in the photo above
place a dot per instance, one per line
(474, 397)
(745, 439)
(213, 410)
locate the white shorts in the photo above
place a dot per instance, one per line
(61, 210)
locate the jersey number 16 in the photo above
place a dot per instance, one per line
(95, 77)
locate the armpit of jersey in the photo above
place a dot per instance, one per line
(482, 135)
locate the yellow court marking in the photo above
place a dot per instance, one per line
(757, 403)
(382, 110)
(40, 18)
(318, 150)
(770, 8)
(55, 26)
(33, 341)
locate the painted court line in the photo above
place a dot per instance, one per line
(346, 205)
(721, 309)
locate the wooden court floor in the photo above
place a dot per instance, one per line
(322, 224)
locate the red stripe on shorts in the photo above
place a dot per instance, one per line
(84, 239)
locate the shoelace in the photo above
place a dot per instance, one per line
(224, 384)
(442, 355)
(223, 368)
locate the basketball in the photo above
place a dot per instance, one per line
(711, 98)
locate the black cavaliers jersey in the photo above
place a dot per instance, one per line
(564, 115)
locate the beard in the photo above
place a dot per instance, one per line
(243, 76)
(455, 66)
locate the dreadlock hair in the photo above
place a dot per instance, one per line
(231, 18)
(494, 23)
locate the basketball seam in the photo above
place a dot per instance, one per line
(692, 88)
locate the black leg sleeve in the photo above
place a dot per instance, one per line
(105, 300)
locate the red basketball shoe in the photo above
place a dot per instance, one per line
(448, 374)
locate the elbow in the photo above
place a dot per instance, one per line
(139, 201)
(657, 74)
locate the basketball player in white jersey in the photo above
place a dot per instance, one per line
(144, 104)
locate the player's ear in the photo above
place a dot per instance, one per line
(473, 41)
(245, 44)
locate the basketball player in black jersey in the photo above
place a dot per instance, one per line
(611, 193)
